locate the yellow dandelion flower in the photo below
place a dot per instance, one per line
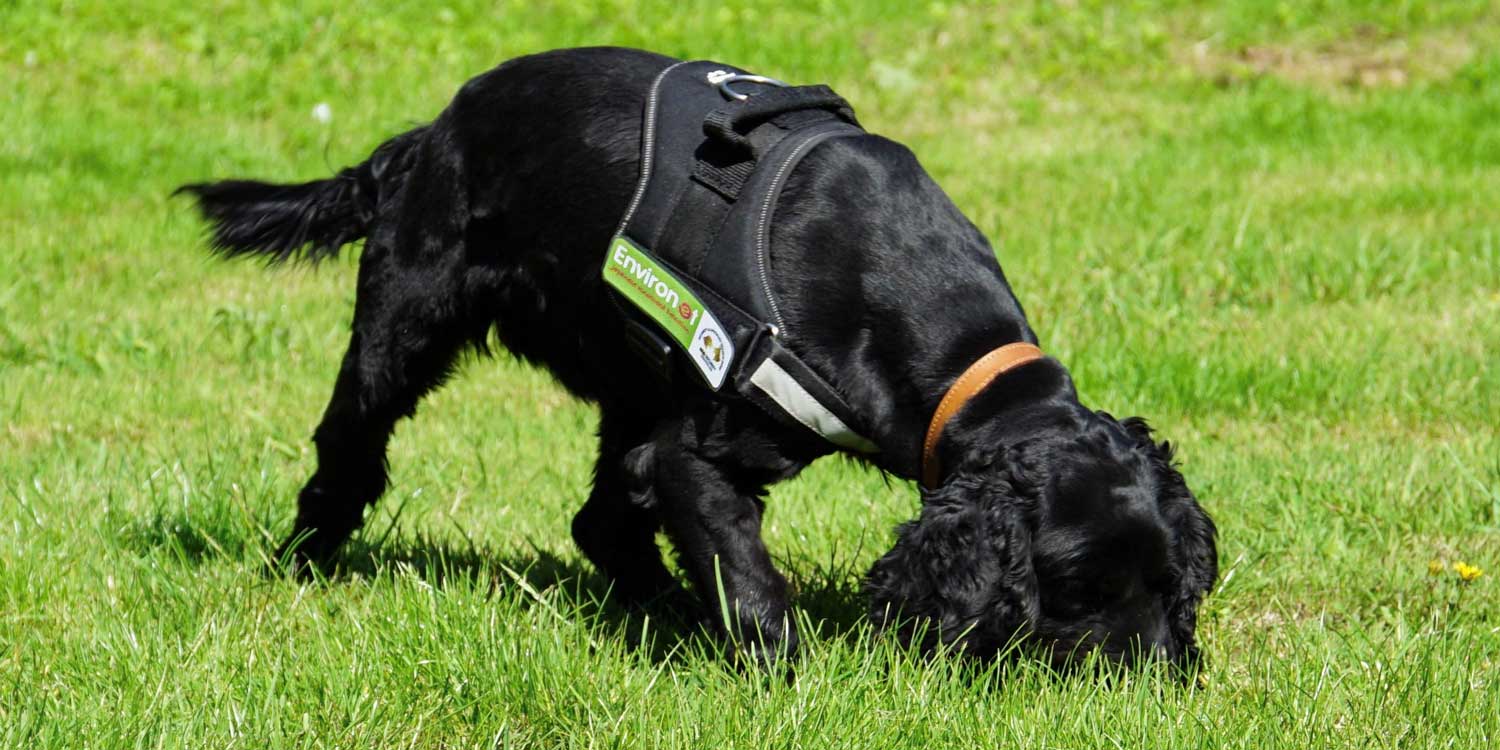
(1466, 572)
(1436, 567)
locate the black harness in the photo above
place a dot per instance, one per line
(716, 149)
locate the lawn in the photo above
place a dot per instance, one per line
(1269, 227)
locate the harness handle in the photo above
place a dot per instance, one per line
(733, 122)
(722, 79)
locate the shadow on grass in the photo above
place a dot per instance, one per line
(191, 539)
(567, 585)
(828, 599)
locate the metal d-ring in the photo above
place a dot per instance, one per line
(722, 79)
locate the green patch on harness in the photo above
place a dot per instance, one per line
(648, 285)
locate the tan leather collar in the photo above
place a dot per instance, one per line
(970, 383)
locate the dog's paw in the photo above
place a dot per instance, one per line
(769, 645)
(303, 555)
(772, 657)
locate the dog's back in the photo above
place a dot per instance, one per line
(509, 197)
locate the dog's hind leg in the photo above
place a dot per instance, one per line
(616, 528)
(402, 347)
(411, 319)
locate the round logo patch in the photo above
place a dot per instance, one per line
(711, 348)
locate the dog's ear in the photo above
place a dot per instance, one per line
(1195, 559)
(961, 573)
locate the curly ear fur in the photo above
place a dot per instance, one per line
(1195, 561)
(960, 574)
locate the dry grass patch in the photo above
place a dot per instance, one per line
(1366, 60)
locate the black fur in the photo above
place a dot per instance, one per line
(1055, 523)
(316, 218)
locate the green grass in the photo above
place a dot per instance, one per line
(1270, 227)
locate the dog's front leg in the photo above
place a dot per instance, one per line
(615, 531)
(711, 507)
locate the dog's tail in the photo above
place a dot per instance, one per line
(311, 220)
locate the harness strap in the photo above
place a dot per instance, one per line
(733, 123)
(969, 384)
(740, 135)
(711, 174)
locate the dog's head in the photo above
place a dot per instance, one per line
(1073, 544)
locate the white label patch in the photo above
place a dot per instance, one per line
(712, 351)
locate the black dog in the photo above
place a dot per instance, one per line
(1054, 523)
